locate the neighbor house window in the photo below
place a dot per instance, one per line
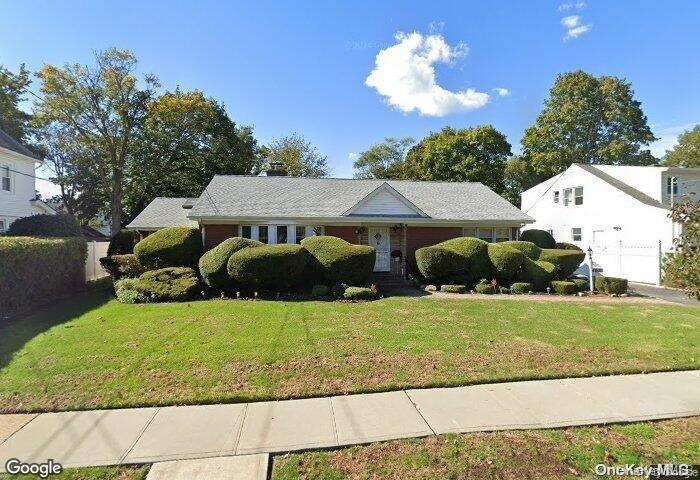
(247, 231)
(263, 234)
(556, 196)
(300, 233)
(6, 179)
(578, 196)
(2, 226)
(567, 197)
(469, 232)
(502, 234)
(486, 234)
(282, 234)
(576, 234)
(672, 185)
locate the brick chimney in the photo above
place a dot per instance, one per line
(276, 169)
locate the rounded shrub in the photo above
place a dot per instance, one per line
(437, 263)
(359, 293)
(566, 261)
(120, 266)
(213, 265)
(611, 285)
(566, 246)
(318, 291)
(505, 262)
(529, 249)
(484, 288)
(521, 287)
(278, 267)
(539, 273)
(582, 284)
(45, 226)
(504, 290)
(170, 247)
(127, 292)
(172, 284)
(339, 289)
(458, 260)
(450, 288)
(541, 238)
(563, 287)
(122, 243)
(333, 260)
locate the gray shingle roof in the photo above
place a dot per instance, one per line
(163, 212)
(622, 186)
(10, 143)
(294, 197)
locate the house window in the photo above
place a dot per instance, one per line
(672, 186)
(576, 235)
(263, 235)
(578, 196)
(486, 234)
(3, 226)
(300, 232)
(246, 231)
(282, 234)
(469, 232)
(502, 234)
(567, 197)
(556, 196)
(6, 179)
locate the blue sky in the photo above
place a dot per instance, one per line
(302, 67)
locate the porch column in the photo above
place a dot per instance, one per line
(404, 250)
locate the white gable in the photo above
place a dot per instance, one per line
(385, 201)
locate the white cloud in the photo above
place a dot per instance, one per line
(668, 137)
(502, 92)
(404, 73)
(574, 26)
(571, 5)
(353, 156)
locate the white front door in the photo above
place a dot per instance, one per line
(379, 239)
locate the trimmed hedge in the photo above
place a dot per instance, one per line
(539, 273)
(172, 284)
(213, 265)
(318, 291)
(521, 287)
(359, 293)
(37, 270)
(582, 284)
(611, 285)
(122, 243)
(566, 261)
(566, 246)
(460, 260)
(563, 287)
(120, 266)
(45, 226)
(126, 291)
(529, 249)
(449, 288)
(541, 238)
(170, 247)
(338, 290)
(505, 262)
(484, 288)
(278, 267)
(333, 260)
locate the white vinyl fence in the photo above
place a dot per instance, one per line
(638, 262)
(93, 267)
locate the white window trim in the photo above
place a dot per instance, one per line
(5, 225)
(580, 234)
(493, 232)
(555, 197)
(11, 173)
(567, 200)
(272, 231)
(575, 196)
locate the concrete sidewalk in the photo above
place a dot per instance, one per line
(145, 435)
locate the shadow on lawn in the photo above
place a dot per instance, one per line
(16, 331)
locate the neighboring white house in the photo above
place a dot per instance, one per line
(621, 212)
(17, 184)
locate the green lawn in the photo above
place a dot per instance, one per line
(542, 454)
(95, 352)
(96, 473)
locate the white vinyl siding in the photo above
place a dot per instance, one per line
(384, 202)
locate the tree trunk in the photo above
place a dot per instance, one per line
(117, 197)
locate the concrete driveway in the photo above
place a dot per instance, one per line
(668, 294)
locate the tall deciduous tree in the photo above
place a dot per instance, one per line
(102, 107)
(687, 152)
(588, 119)
(475, 154)
(13, 90)
(185, 140)
(298, 155)
(384, 160)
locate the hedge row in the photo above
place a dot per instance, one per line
(170, 247)
(62, 226)
(36, 270)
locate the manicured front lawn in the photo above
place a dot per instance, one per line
(96, 352)
(96, 473)
(542, 454)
